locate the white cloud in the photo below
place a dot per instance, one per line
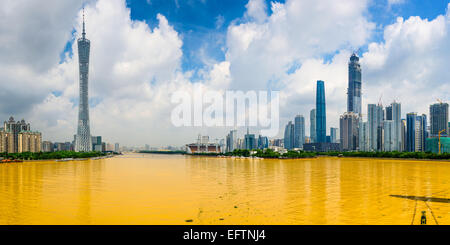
(411, 65)
(393, 2)
(257, 10)
(261, 53)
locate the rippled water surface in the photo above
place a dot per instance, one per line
(170, 189)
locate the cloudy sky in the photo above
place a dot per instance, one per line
(144, 50)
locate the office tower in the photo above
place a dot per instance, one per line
(403, 134)
(231, 141)
(47, 146)
(349, 123)
(354, 85)
(116, 147)
(389, 134)
(299, 131)
(364, 136)
(321, 116)
(334, 135)
(289, 136)
(423, 134)
(263, 142)
(97, 143)
(83, 141)
(250, 141)
(439, 119)
(396, 118)
(312, 127)
(416, 132)
(375, 119)
(411, 132)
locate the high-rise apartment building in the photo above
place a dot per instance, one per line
(349, 132)
(17, 137)
(321, 113)
(439, 119)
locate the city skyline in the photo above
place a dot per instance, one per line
(132, 84)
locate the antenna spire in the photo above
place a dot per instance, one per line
(84, 31)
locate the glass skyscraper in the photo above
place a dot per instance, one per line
(83, 138)
(299, 131)
(375, 116)
(312, 125)
(416, 132)
(321, 117)
(289, 136)
(354, 85)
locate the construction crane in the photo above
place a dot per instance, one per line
(440, 101)
(440, 140)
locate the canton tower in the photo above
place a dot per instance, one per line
(83, 138)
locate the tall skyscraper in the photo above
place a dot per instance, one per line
(396, 117)
(312, 127)
(389, 134)
(250, 141)
(364, 136)
(83, 139)
(439, 119)
(354, 85)
(231, 141)
(263, 142)
(416, 132)
(321, 116)
(349, 132)
(289, 136)
(375, 117)
(299, 131)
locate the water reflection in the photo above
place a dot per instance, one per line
(169, 189)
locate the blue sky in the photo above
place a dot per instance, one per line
(203, 23)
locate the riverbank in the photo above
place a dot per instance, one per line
(269, 154)
(30, 156)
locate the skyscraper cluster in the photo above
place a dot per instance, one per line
(384, 130)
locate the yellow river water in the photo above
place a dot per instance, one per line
(171, 189)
